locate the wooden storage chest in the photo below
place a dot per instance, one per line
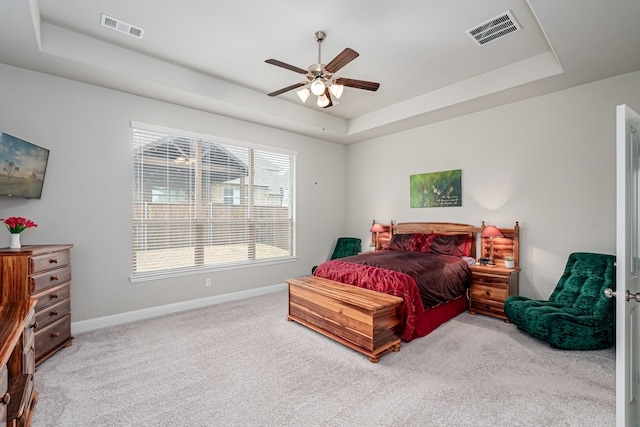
(364, 320)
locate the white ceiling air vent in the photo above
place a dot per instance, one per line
(123, 27)
(494, 29)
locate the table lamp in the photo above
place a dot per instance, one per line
(377, 228)
(491, 231)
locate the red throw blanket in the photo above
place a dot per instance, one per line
(427, 280)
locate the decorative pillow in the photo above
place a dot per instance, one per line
(458, 245)
(400, 242)
(418, 241)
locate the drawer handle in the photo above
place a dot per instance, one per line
(488, 293)
(53, 260)
(487, 279)
(487, 306)
(53, 313)
(6, 398)
(55, 335)
(55, 278)
(53, 296)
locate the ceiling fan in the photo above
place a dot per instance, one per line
(320, 77)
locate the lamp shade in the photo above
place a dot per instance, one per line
(336, 90)
(304, 94)
(317, 87)
(323, 101)
(377, 228)
(491, 231)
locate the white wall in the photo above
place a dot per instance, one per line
(547, 162)
(87, 196)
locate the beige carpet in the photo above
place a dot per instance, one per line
(242, 364)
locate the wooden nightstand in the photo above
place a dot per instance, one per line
(490, 287)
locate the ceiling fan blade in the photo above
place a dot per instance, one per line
(358, 84)
(287, 89)
(341, 60)
(285, 65)
(328, 95)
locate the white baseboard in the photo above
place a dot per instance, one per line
(146, 313)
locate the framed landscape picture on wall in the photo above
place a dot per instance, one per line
(22, 167)
(436, 189)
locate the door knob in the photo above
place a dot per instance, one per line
(630, 296)
(610, 293)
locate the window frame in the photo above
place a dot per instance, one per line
(249, 221)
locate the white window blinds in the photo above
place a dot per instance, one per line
(200, 203)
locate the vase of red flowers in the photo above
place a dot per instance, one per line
(17, 225)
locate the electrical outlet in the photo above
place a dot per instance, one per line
(207, 282)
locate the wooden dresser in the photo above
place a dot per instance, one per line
(17, 363)
(42, 272)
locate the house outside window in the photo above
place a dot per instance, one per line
(231, 196)
(201, 202)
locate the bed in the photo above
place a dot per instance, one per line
(424, 263)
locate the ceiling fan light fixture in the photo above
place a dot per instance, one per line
(323, 101)
(321, 77)
(336, 90)
(317, 87)
(303, 94)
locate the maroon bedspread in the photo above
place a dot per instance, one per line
(421, 280)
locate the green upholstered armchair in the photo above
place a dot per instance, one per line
(345, 246)
(577, 315)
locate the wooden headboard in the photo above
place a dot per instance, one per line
(507, 245)
(442, 228)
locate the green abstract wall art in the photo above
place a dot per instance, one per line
(436, 189)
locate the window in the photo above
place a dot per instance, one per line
(202, 202)
(231, 196)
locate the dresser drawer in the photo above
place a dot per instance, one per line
(54, 312)
(488, 292)
(28, 337)
(40, 263)
(22, 420)
(488, 306)
(51, 278)
(52, 336)
(494, 281)
(29, 360)
(52, 296)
